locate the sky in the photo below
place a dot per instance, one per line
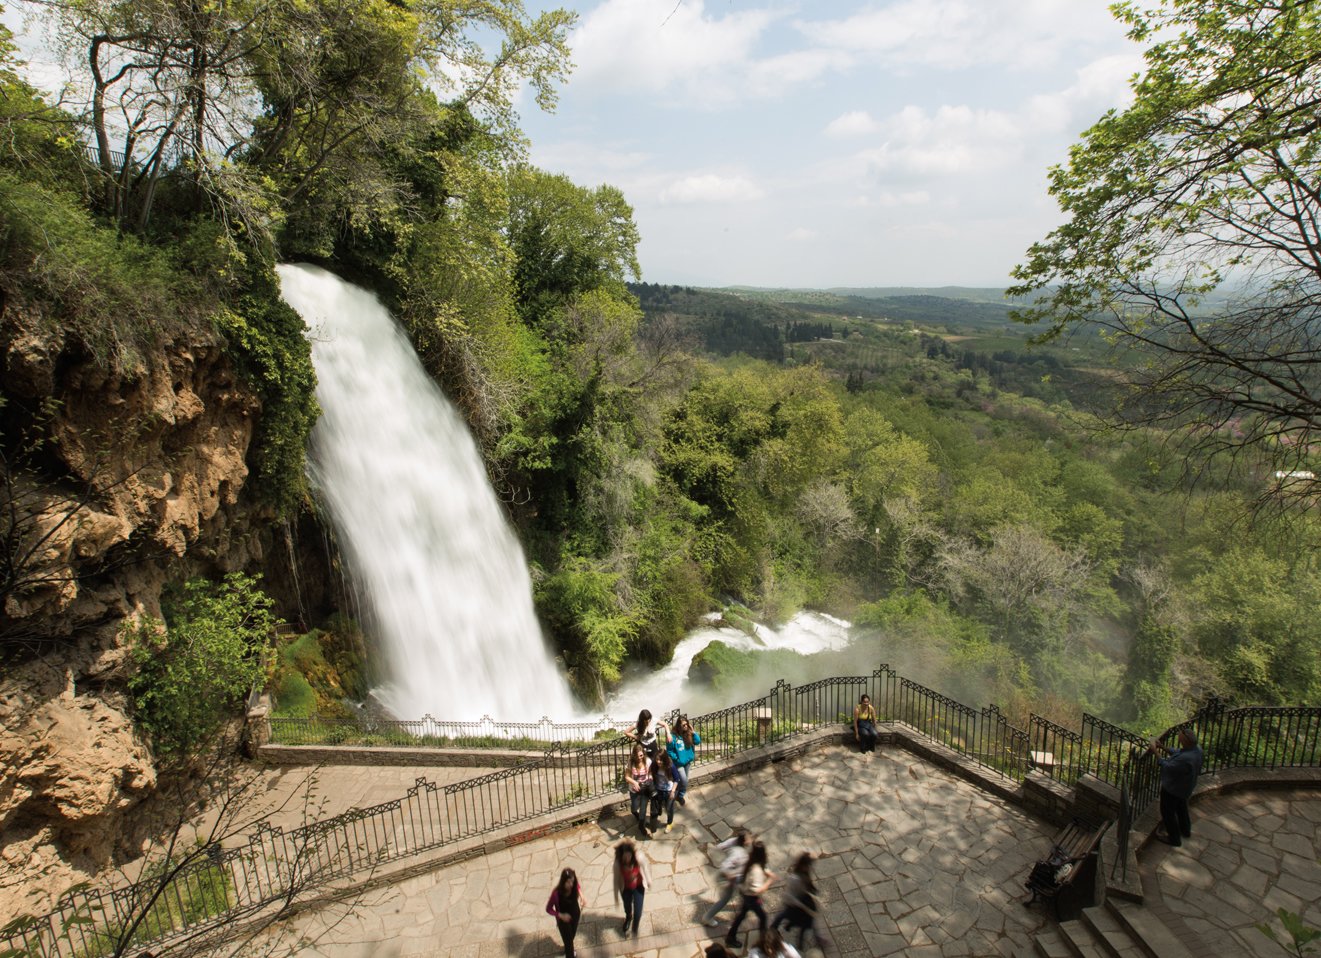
(824, 143)
(832, 143)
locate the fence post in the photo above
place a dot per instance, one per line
(780, 706)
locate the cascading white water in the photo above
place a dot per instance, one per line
(443, 580)
(667, 688)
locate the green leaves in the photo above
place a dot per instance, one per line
(1300, 935)
(194, 669)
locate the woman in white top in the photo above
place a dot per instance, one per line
(644, 732)
(757, 878)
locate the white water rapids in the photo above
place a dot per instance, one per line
(441, 576)
(667, 688)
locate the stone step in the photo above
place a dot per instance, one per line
(1150, 934)
(1080, 941)
(1115, 940)
(1050, 943)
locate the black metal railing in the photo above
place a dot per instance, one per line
(274, 865)
(1251, 737)
(430, 732)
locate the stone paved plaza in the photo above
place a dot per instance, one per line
(919, 863)
(1251, 853)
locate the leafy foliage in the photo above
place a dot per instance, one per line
(193, 670)
(1190, 240)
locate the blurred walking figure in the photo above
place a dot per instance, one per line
(637, 775)
(683, 749)
(631, 883)
(731, 870)
(864, 724)
(566, 907)
(799, 909)
(756, 879)
(772, 946)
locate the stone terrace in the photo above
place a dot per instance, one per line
(921, 863)
(1251, 853)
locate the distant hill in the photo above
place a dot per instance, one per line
(962, 309)
(972, 294)
(761, 322)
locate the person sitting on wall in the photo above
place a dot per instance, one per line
(864, 724)
(1178, 777)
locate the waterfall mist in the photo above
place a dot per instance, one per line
(442, 579)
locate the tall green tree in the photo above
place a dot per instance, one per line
(1191, 236)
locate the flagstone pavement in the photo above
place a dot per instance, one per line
(918, 862)
(1251, 853)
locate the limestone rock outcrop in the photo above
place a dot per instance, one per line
(137, 480)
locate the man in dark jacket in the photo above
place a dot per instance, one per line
(1178, 777)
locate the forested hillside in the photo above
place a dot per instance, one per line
(904, 459)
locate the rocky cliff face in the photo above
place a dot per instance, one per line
(126, 481)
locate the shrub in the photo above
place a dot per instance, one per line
(194, 669)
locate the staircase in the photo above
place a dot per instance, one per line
(1117, 929)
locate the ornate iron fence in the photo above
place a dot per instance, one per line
(217, 886)
(429, 732)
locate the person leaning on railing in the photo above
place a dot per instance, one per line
(683, 749)
(1178, 777)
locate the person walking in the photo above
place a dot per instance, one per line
(662, 796)
(637, 775)
(566, 907)
(864, 724)
(683, 749)
(731, 870)
(772, 945)
(632, 879)
(756, 879)
(799, 909)
(1178, 777)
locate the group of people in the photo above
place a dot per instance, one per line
(632, 878)
(657, 770)
(744, 871)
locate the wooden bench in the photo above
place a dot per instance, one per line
(1068, 868)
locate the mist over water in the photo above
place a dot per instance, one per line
(441, 576)
(667, 688)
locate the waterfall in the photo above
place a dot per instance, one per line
(442, 579)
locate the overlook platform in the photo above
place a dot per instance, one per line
(922, 863)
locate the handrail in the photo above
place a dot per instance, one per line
(274, 864)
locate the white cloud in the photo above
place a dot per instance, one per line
(801, 234)
(711, 188)
(854, 123)
(954, 34)
(887, 199)
(630, 45)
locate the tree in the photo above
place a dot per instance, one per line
(257, 103)
(568, 240)
(1191, 239)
